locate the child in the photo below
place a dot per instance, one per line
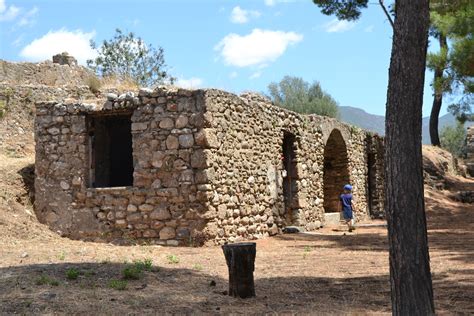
(348, 207)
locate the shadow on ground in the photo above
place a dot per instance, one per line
(185, 291)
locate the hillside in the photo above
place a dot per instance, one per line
(376, 123)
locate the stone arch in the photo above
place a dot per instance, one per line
(336, 170)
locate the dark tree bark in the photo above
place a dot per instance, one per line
(240, 260)
(438, 97)
(410, 276)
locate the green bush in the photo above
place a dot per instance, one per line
(132, 272)
(72, 274)
(453, 139)
(118, 284)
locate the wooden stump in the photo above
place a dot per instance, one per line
(240, 260)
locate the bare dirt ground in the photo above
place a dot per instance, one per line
(327, 272)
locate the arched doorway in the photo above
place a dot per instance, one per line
(336, 172)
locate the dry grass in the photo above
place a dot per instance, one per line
(328, 272)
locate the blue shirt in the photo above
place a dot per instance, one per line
(346, 200)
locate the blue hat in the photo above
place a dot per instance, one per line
(348, 187)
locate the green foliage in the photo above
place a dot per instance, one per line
(172, 259)
(343, 10)
(118, 284)
(72, 274)
(453, 139)
(295, 94)
(132, 272)
(454, 20)
(135, 270)
(44, 280)
(128, 57)
(146, 264)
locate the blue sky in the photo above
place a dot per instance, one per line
(232, 45)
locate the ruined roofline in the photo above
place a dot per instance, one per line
(114, 103)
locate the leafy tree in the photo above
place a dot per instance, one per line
(128, 57)
(410, 277)
(453, 138)
(452, 25)
(295, 94)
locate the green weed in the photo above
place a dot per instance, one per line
(118, 284)
(172, 259)
(72, 274)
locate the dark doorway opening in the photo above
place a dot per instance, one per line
(336, 171)
(110, 150)
(289, 181)
(371, 182)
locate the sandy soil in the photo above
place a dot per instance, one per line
(327, 272)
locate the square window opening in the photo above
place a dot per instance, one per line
(110, 151)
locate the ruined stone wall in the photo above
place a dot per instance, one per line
(167, 198)
(375, 185)
(246, 164)
(208, 166)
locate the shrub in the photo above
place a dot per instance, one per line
(453, 139)
(132, 272)
(118, 284)
(72, 274)
(197, 267)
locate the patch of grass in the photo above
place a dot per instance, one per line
(197, 267)
(172, 259)
(94, 84)
(62, 256)
(45, 279)
(132, 272)
(307, 249)
(72, 273)
(146, 264)
(119, 285)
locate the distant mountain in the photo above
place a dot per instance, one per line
(376, 123)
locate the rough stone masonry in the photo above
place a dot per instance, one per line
(187, 167)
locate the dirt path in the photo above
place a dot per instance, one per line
(324, 272)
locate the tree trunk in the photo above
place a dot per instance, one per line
(410, 276)
(240, 260)
(438, 97)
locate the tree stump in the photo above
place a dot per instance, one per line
(240, 260)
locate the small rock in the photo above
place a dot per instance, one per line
(111, 96)
(24, 255)
(213, 283)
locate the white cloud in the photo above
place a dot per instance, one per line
(256, 48)
(337, 26)
(29, 17)
(241, 16)
(369, 29)
(271, 3)
(233, 75)
(255, 75)
(18, 41)
(76, 43)
(8, 13)
(189, 83)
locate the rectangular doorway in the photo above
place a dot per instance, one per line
(110, 151)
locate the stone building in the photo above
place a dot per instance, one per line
(188, 167)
